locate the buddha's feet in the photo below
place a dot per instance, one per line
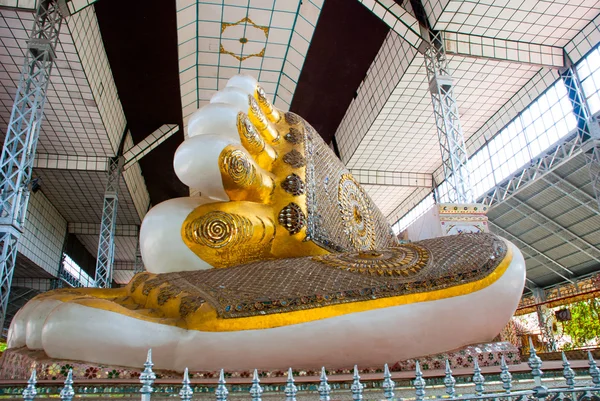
(271, 188)
(334, 310)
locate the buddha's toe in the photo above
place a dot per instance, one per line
(161, 244)
(80, 331)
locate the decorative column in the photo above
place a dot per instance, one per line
(544, 314)
(20, 144)
(106, 243)
(588, 126)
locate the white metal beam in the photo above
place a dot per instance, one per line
(121, 230)
(70, 162)
(545, 164)
(532, 252)
(589, 202)
(553, 228)
(393, 178)
(149, 143)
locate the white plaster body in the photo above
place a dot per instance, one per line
(369, 339)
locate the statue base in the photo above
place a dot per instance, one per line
(18, 364)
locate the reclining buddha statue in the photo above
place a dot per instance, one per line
(283, 260)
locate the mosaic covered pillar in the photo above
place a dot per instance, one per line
(462, 218)
(449, 219)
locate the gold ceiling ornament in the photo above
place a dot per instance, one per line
(242, 58)
(250, 23)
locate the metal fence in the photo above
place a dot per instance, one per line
(571, 391)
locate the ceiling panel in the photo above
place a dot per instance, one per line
(267, 39)
(78, 195)
(387, 197)
(548, 22)
(72, 122)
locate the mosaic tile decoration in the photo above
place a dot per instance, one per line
(18, 363)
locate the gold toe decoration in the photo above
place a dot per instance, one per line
(294, 159)
(138, 280)
(294, 136)
(293, 184)
(292, 118)
(271, 112)
(403, 261)
(167, 293)
(292, 218)
(189, 304)
(218, 229)
(248, 132)
(356, 213)
(236, 164)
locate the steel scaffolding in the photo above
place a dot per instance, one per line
(106, 243)
(445, 110)
(21, 140)
(139, 263)
(587, 125)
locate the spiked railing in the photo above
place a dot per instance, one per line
(186, 392)
(449, 381)
(388, 384)
(505, 376)
(357, 387)
(256, 390)
(221, 392)
(67, 393)
(30, 392)
(324, 387)
(572, 391)
(147, 378)
(290, 388)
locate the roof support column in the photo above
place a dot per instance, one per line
(587, 125)
(445, 110)
(106, 243)
(21, 140)
(138, 266)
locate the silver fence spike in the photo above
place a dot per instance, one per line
(67, 393)
(256, 390)
(186, 391)
(505, 376)
(535, 364)
(357, 387)
(478, 379)
(30, 392)
(388, 384)
(324, 387)
(568, 373)
(594, 370)
(221, 391)
(449, 381)
(290, 388)
(147, 378)
(419, 383)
